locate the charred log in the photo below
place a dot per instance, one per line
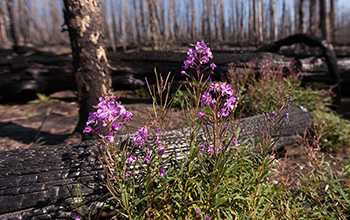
(327, 52)
(34, 182)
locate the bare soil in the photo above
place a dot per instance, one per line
(29, 125)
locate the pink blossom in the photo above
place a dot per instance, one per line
(131, 159)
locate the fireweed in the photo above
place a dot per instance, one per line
(219, 176)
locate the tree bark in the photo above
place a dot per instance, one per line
(89, 55)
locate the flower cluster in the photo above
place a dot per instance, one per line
(109, 113)
(223, 93)
(140, 136)
(211, 149)
(199, 54)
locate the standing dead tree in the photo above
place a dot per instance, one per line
(324, 23)
(92, 75)
(12, 17)
(3, 34)
(55, 23)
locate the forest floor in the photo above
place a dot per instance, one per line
(34, 124)
(30, 125)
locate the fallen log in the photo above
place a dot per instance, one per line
(24, 75)
(33, 182)
(327, 52)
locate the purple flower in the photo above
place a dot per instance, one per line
(162, 172)
(158, 130)
(110, 138)
(206, 99)
(88, 129)
(148, 158)
(202, 147)
(273, 113)
(204, 60)
(201, 114)
(214, 87)
(212, 66)
(211, 149)
(207, 218)
(127, 173)
(109, 113)
(140, 136)
(198, 211)
(235, 142)
(158, 143)
(223, 113)
(131, 159)
(286, 115)
(115, 127)
(161, 152)
(92, 119)
(183, 73)
(186, 64)
(226, 89)
(229, 104)
(77, 218)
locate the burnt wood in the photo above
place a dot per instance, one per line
(22, 76)
(33, 182)
(327, 52)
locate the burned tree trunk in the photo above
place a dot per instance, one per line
(89, 55)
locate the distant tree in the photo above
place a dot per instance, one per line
(222, 20)
(113, 23)
(55, 23)
(302, 17)
(3, 34)
(175, 21)
(193, 21)
(260, 21)
(154, 36)
(136, 22)
(13, 26)
(93, 78)
(273, 20)
(324, 23)
(333, 20)
(312, 19)
(255, 21)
